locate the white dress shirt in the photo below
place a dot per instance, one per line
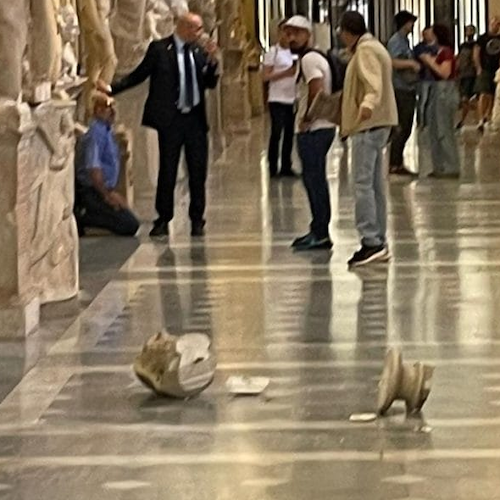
(179, 47)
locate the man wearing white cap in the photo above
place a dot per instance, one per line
(314, 136)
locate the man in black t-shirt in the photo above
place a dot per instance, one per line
(487, 61)
(466, 72)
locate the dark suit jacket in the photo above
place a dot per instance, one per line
(161, 66)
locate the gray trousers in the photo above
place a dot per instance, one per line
(442, 108)
(369, 181)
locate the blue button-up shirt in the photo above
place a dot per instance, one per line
(399, 48)
(179, 47)
(97, 148)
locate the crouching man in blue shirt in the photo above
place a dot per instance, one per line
(97, 163)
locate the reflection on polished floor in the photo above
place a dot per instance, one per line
(79, 426)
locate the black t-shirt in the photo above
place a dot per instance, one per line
(466, 68)
(490, 52)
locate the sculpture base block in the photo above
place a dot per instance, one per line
(19, 321)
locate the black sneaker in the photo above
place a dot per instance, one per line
(365, 255)
(198, 229)
(311, 242)
(160, 229)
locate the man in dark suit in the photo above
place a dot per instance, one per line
(179, 71)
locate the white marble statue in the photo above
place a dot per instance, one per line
(159, 20)
(179, 7)
(45, 48)
(100, 58)
(69, 29)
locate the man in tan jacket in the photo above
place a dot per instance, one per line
(369, 112)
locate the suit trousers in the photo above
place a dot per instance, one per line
(282, 124)
(186, 131)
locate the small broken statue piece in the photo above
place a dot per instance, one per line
(179, 367)
(403, 381)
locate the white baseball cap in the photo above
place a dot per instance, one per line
(300, 22)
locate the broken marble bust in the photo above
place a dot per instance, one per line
(179, 367)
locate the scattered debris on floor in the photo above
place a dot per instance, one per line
(363, 417)
(247, 386)
(424, 429)
(179, 367)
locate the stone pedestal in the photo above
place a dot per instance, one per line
(38, 234)
(256, 88)
(145, 155)
(236, 109)
(496, 106)
(19, 320)
(214, 114)
(126, 179)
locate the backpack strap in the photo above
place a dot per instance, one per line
(333, 70)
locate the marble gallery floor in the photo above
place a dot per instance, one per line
(79, 426)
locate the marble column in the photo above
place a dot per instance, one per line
(494, 8)
(13, 39)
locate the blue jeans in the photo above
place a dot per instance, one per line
(313, 148)
(367, 161)
(424, 91)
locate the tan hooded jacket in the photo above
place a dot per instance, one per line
(368, 83)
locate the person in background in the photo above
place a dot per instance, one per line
(466, 72)
(426, 46)
(369, 112)
(443, 106)
(487, 60)
(97, 165)
(405, 79)
(280, 71)
(314, 136)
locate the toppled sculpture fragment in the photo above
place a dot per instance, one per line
(173, 366)
(402, 381)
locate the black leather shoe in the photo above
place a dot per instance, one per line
(160, 229)
(310, 242)
(198, 229)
